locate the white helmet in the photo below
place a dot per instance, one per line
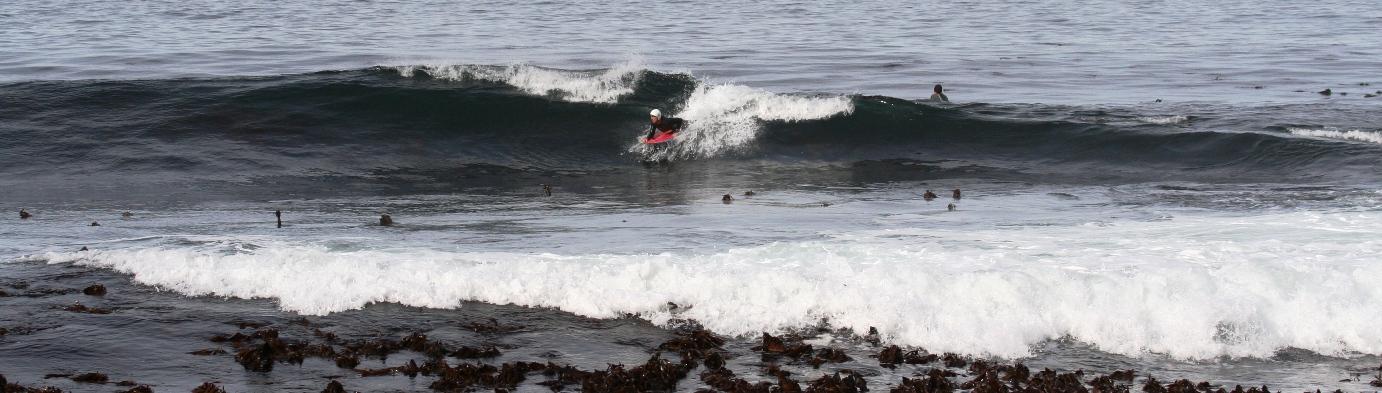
(655, 113)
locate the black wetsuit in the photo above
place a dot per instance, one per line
(668, 124)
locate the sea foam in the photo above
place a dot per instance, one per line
(605, 87)
(1356, 135)
(1192, 288)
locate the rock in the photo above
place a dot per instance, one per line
(140, 389)
(384, 220)
(208, 387)
(208, 352)
(257, 358)
(84, 249)
(953, 360)
(890, 355)
(95, 290)
(334, 387)
(86, 310)
(91, 378)
(714, 361)
(347, 360)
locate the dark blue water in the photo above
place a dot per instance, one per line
(1147, 185)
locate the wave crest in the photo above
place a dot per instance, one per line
(725, 117)
(1333, 133)
(603, 86)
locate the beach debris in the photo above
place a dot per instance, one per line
(95, 290)
(385, 220)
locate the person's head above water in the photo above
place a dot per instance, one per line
(937, 89)
(655, 115)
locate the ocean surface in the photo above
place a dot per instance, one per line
(1149, 185)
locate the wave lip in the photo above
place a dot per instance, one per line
(1334, 133)
(603, 87)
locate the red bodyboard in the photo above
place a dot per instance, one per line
(660, 137)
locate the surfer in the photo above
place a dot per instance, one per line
(937, 95)
(659, 124)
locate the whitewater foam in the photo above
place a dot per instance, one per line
(1333, 133)
(604, 87)
(1188, 287)
(725, 117)
(1164, 120)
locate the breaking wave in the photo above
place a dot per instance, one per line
(1151, 287)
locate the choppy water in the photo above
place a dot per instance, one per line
(1227, 232)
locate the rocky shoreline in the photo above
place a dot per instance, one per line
(233, 344)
